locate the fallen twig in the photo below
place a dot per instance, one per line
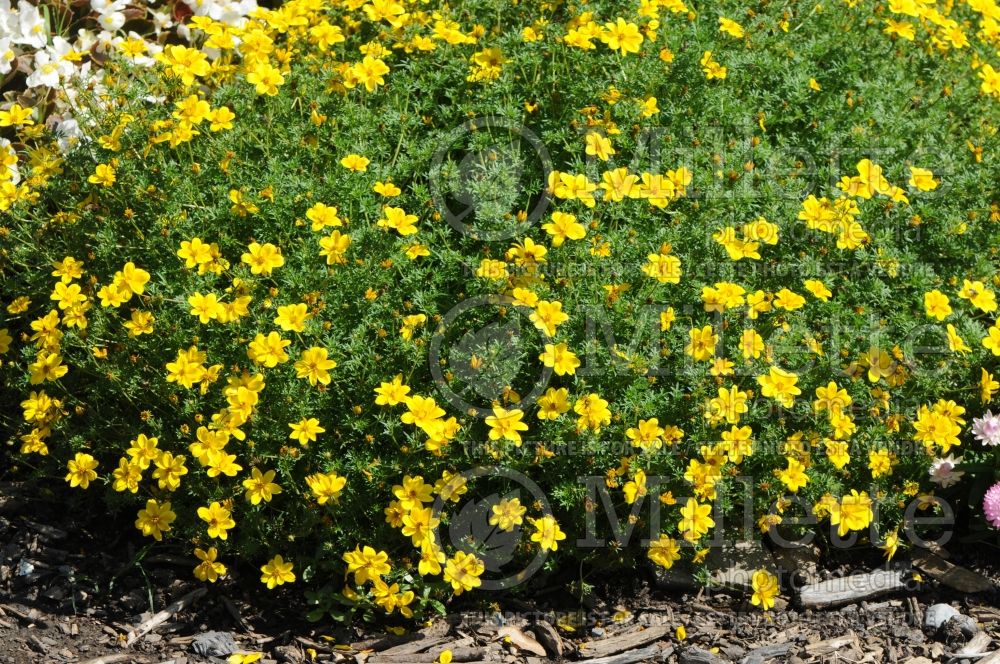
(235, 614)
(112, 659)
(164, 615)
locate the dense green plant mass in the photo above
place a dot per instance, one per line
(298, 281)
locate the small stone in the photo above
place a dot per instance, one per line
(214, 644)
(937, 615)
(24, 568)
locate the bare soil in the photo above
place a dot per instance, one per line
(73, 592)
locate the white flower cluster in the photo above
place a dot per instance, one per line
(51, 60)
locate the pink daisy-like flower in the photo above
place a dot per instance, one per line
(986, 429)
(991, 505)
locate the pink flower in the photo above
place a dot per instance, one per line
(943, 471)
(987, 428)
(991, 505)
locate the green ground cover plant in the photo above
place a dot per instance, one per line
(401, 300)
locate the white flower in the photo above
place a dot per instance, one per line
(943, 471)
(46, 72)
(69, 134)
(107, 6)
(8, 19)
(162, 21)
(111, 21)
(7, 56)
(986, 429)
(85, 40)
(31, 29)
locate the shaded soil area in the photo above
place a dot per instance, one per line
(73, 593)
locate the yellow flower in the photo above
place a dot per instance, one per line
(665, 269)
(880, 463)
(818, 289)
(788, 300)
(635, 488)
(979, 295)
(664, 551)
(621, 36)
(208, 569)
(126, 476)
(392, 393)
(268, 351)
(218, 518)
(765, 589)
(922, 179)
(794, 477)
(462, 571)
(263, 258)
(506, 424)
(386, 189)
(155, 519)
(314, 366)
(648, 435)
(366, 564)
(276, 572)
(891, 544)
(837, 453)
(355, 162)
(599, 146)
(711, 68)
(422, 412)
(82, 470)
(987, 386)
(260, 486)
(305, 430)
(104, 175)
(955, 342)
(936, 304)
(398, 220)
(370, 72)
(220, 118)
(730, 27)
(593, 412)
(547, 316)
(991, 341)
(780, 386)
(702, 345)
(205, 307)
(16, 116)
(169, 470)
(265, 78)
(695, 520)
(547, 533)
(507, 513)
(560, 358)
(292, 317)
(492, 269)
(553, 403)
(854, 512)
